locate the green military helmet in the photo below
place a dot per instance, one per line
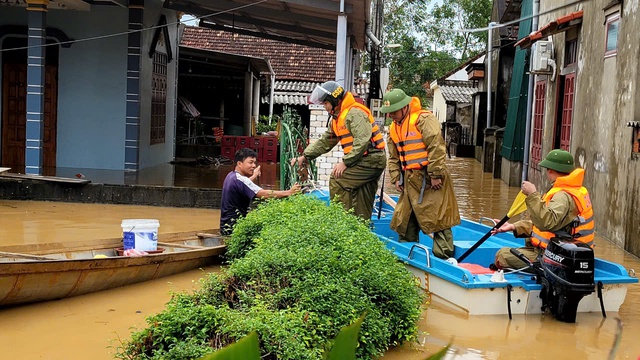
(559, 160)
(394, 100)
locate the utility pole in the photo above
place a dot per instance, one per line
(490, 73)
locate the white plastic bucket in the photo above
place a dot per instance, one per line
(140, 234)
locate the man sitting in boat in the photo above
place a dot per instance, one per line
(238, 190)
(417, 167)
(564, 212)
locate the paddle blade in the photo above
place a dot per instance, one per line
(518, 205)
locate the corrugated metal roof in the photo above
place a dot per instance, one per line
(296, 92)
(291, 92)
(459, 94)
(296, 86)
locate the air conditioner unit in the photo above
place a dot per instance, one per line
(542, 57)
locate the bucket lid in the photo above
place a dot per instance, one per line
(140, 222)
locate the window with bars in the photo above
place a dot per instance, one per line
(538, 122)
(159, 98)
(567, 111)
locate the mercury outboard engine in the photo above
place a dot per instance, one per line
(568, 276)
(566, 273)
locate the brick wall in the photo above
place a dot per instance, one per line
(326, 162)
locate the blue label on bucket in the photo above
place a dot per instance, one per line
(140, 240)
(129, 240)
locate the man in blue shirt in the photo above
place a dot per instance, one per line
(238, 190)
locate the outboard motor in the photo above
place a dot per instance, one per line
(568, 269)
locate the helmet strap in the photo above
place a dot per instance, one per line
(405, 112)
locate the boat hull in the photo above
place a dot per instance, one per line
(31, 280)
(494, 301)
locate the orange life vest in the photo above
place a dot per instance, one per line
(583, 229)
(340, 128)
(408, 139)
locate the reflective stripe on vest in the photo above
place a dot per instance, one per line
(411, 149)
(584, 225)
(340, 128)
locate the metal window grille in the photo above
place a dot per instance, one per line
(538, 122)
(159, 99)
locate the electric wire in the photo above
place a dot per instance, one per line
(474, 30)
(106, 36)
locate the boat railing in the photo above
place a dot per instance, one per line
(423, 247)
(482, 219)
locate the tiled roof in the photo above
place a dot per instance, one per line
(459, 94)
(289, 61)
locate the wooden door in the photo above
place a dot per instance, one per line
(14, 112)
(50, 118)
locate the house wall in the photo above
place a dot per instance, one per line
(151, 155)
(606, 99)
(326, 162)
(92, 86)
(439, 105)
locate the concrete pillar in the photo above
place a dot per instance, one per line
(341, 48)
(248, 93)
(256, 102)
(489, 148)
(497, 158)
(37, 24)
(132, 122)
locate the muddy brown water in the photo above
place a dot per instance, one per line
(89, 326)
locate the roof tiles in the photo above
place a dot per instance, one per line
(289, 61)
(459, 94)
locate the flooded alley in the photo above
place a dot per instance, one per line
(92, 326)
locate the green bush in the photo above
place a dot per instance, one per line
(299, 271)
(263, 125)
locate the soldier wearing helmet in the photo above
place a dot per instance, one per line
(417, 168)
(354, 180)
(564, 212)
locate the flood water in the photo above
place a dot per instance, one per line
(88, 326)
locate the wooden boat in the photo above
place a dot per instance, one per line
(471, 287)
(55, 179)
(39, 272)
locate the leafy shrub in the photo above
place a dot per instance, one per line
(299, 271)
(263, 125)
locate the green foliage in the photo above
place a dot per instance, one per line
(462, 14)
(344, 345)
(263, 125)
(426, 52)
(293, 140)
(247, 348)
(299, 271)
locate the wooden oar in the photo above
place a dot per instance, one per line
(24, 256)
(517, 207)
(165, 244)
(386, 198)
